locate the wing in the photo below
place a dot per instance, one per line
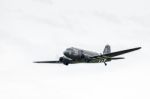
(121, 52)
(113, 54)
(47, 62)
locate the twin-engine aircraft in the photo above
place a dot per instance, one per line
(74, 55)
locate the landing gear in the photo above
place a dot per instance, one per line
(105, 63)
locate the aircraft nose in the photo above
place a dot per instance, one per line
(66, 53)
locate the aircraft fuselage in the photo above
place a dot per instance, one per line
(80, 55)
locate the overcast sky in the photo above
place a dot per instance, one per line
(32, 30)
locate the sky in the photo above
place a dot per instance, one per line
(32, 30)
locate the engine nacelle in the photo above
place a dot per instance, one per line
(64, 60)
(61, 59)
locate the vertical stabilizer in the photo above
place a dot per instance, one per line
(107, 49)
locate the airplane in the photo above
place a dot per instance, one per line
(74, 55)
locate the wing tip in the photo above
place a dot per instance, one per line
(138, 48)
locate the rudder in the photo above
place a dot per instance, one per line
(107, 49)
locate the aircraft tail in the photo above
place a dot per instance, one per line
(107, 49)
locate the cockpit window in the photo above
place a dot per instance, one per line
(68, 49)
(72, 51)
